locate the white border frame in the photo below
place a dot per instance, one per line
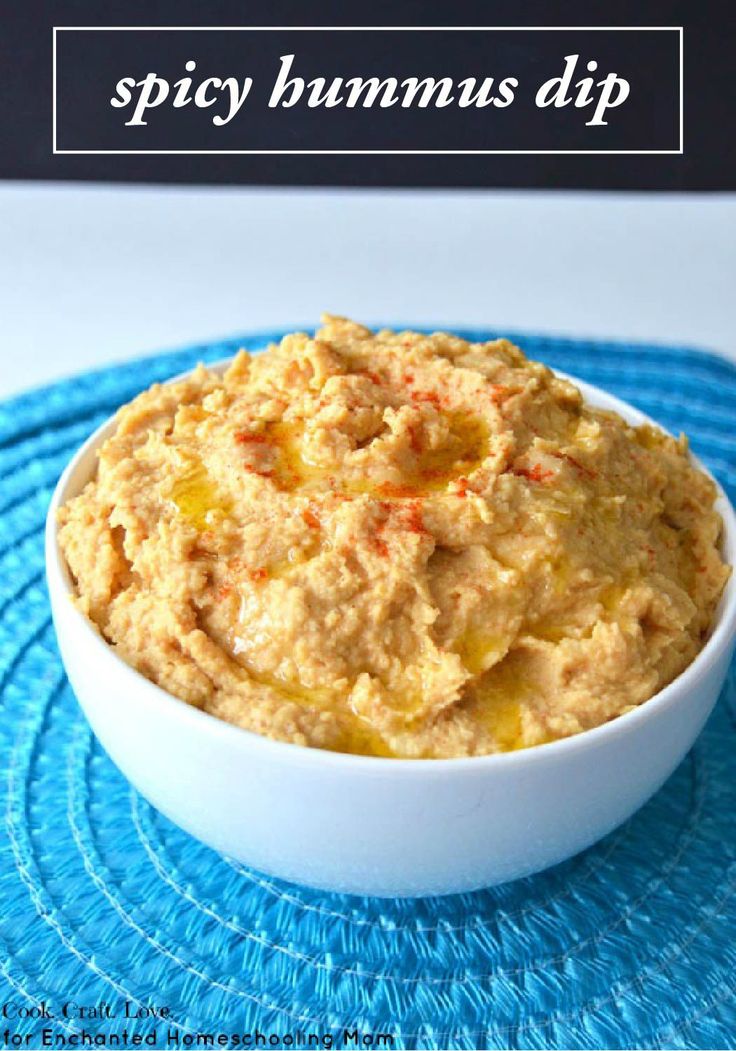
(398, 29)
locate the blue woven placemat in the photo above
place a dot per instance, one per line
(103, 901)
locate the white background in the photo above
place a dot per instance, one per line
(91, 275)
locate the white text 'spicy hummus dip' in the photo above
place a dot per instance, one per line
(395, 544)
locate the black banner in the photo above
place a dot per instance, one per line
(351, 90)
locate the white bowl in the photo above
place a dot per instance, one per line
(367, 825)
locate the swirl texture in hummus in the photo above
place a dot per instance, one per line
(395, 544)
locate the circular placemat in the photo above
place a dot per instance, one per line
(105, 902)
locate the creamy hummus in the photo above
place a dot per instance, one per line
(395, 544)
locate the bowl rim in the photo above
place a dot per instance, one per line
(61, 587)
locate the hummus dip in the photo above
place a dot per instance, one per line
(395, 544)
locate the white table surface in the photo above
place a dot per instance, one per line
(92, 274)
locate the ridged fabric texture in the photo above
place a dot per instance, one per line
(631, 944)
